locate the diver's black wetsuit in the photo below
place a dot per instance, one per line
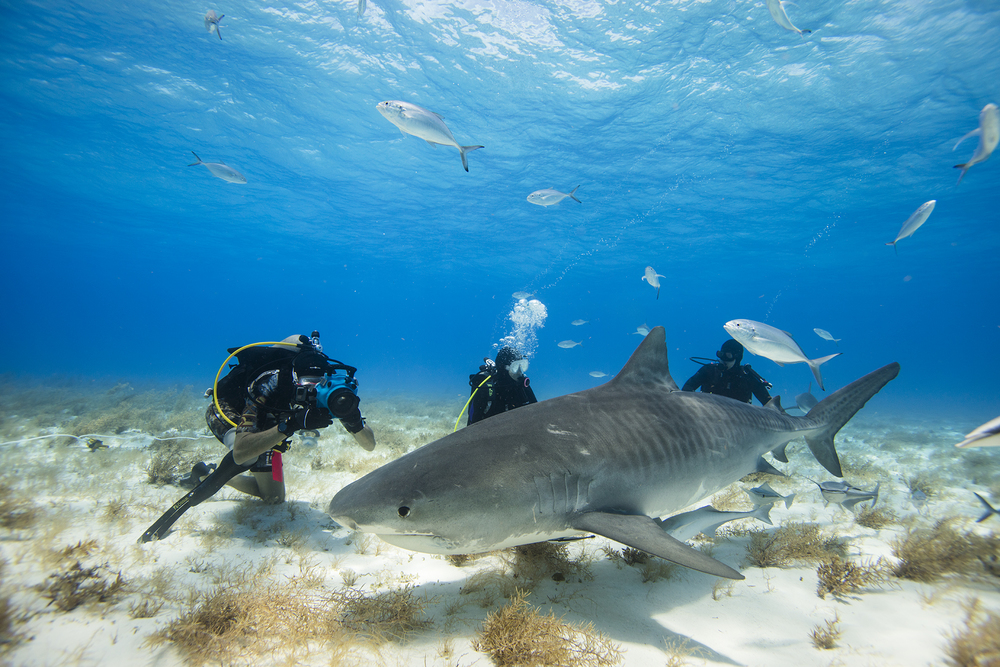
(498, 394)
(739, 382)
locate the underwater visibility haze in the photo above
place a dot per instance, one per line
(759, 171)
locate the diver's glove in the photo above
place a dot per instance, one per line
(305, 418)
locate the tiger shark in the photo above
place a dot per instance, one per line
(610, 460)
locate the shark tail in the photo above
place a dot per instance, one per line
(573, 195)
(465, 149)
(814, 364)
(990, 510)
(837, 409)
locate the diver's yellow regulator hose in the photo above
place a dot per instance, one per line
(469, 401)
(215, 385)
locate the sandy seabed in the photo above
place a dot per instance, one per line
(238, 581)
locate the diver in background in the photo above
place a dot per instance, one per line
(500, 386)
(728, 378)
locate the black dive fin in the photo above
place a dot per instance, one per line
(227, 469)
(643, 533)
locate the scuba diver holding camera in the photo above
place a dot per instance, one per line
(500, 386)
(274, 391)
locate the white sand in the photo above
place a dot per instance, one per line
(764, 620)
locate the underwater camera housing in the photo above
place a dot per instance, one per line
(334, 392)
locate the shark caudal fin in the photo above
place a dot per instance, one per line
(837, 409)
(648, 364)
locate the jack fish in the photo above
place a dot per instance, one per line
(219, 170)
(989, 135)
(777, 345)
(420, 122)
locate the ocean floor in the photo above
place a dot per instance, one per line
(240, 582)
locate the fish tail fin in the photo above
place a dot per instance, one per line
(573, 195)
(788, 500)
(814, 364)
(990, 510)
(835, 410)
(465, 149)
(657, 292)
(875, 492)
(964, 168)
(196, 157)
(217, 31)
(763, 513)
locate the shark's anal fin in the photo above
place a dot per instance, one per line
(643, 533)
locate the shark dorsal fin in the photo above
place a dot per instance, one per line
(775, 404)
(648, 364)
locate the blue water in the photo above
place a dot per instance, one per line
(761, 172)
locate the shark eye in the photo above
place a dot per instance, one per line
(403, 511)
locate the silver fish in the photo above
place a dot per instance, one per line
(774, 344)
(780, 16)
(577, 323)
(989, 135)
(918, 498)
(522, 295)
(990, 510)
(987, 435)
(653, 278)
(550, 197)
(420, 122)
(608, 460)
(913, 223)
(220, 170)
(597, 374)
(826, 335)
(362, 4)
(212, 22)
(568, 344)
(642, 330)
(764, 494)
(706, 520)
(846, 495)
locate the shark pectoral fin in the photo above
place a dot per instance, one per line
(641, 532)
(764, 466)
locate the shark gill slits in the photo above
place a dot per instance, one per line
(404, 511)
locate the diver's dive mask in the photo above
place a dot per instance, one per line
(517, 369)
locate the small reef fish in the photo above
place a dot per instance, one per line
(990, 510)
(420, 122)
(780, 16)
(653, 278)
(913, 223)
(212, 22)
(550, 197)
(707, 520)
(987, 435)
(642, 331)
(989, 135)
(774, 344)
(845, 495)
(577, 323)
(522, 295)
(764, 494)
(220, 170)
(598, 374)
(568, 344)
(826, 335)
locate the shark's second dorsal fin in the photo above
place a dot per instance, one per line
(648, 364)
